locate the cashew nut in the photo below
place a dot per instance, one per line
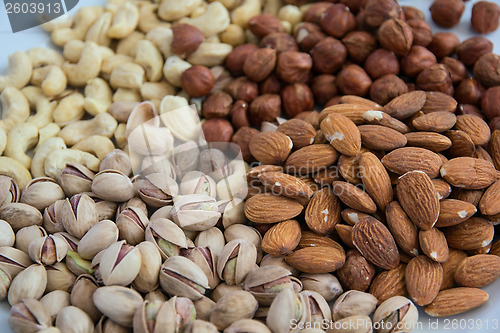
(98, 96)
(15, 170)
(272, 6)
(57, 160)
(113, 5)
(45, 133)
(50, 78)
(97, 33)
(3, 140)
(210, 54)
(198, 11)
(291, 14)
(82, 21)
(234, 35)
(73, 51)
(171, 10)
(19, 140)
(128, 75)
(18, 73)
(15, 108)
(119, 135)
(112, 62)
(173, 69)
(229, 4)
(127, 95)
(97, 145)
(157, 90)
(69, 109)
(245, 12)
(124, 21)
(148, 20)
(37, 164)
(214, 20)
(42, 56)
(162, 38)
(102, 124)
(60, 23)
(87, 68)
(150, 58)
(128, 45)
(41, 103)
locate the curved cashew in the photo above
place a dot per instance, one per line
(42, 104)
(173, 69)
(45, 133)
(98, 31)
(291, 14)
(37, 164)
(18, 72)
(60, 23)
(15, 108)
(150, 58)
(128, 75)
(128, 45)
(162, 38)
(119, 135)
(102, 124)
(69, 109)
(245, 12)
(127, 95)
(214, 20)
(125, 21)
(234, 35)
(19, 140)
(57, 160)
(148, 20)
(50, 78)
(15, 170)
(109, 64)
(113, 5)
(97, 145)
(170, 10)
(82, 21)
(87, 68)
(198, 11)
(72, 51)
(98, 96)
(210, 54)
(229, 4)
(42, 56)
(157, 90)
(3, 140)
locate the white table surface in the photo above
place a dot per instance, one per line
(487, 315)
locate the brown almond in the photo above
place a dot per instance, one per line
(406, 105)
(477, 129)
(349, 168)
(455, 301)
(494, 148)
(428, 140)
(433, 244)
(483, 154)
(352, 216)
(323, 212)
(453, 212)
(470, 196)
(345, 234)
(495, 248)
(469, 173)
(301, 132)
(311, 159)
(378, 137)
(437, 101)
(286, 185)
(282, 238)
(342, 134)
(461, 144)
(352, 99)
(423, 279)
(352, 111)
(405, 232)
(270, 208)
(455, 257)
(478, 271)
(403, 160)
(389, 283)
(376, 180)
(357, 272)
(472, 234)
(310, 239)
(270, 147)
(253, 173)
(354, 197)
(490, 201)
(326, 176)
(443, 188)
(314, 260)
(383, 119)
(435, 122)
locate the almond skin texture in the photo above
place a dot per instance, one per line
(323, 212)
(311, 159)
(354, 112)
(375, 242)
(345, 234)
(354, 197)
(357, 273)
(352, 216)
(310, 239)
(435, 122)
(461, 144)
(490, 201)
(282, 238)
(469, 173)
(423, 279)
(450, 266)
(316, 259)
(342, 134)
(389, 283)
(402, 160)
(456, 300)
(270, 147)
(478, 271)
(301, 132)
(472, 234)
(443, 188)
(383, 119)
(477, 129)
(419, 198)
(286, 185)
(453, 212)
(434, 245)
(406, 105)
(270, 208)
(376, 180)
(428, 140)
(405, 232)
(378, 137)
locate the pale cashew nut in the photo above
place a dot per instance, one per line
(42, 104)
(61, 22)
(124, 21)
(213, 39)
(82, 21)
(18, 72)
(45, 133)
(120, 138)
(121, 110)
(98, 96)
(210, 54)
(57, 160)
(15, 108)
(272, 6)
(229, 4)
(157, 90)
(291, 14)
(173, 69)
(37, 164)
(50, 78)
(148, 20)
(245, 12)
(198, 11)
(97, 145)
(213, 21)
(171, 10)
(128, 45)
(3, 140)
(88, 67)
(162, 38)
(15, 170)
(19, 140)
(69, 109)
(113, 5)
(128, 75)
(102, 124)
(98, 32)
(127, 95)
(150, 58)
(109, 64)
(234, 35)
(73, 51)
(287, 27)
(42, 56)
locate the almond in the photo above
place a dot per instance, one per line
(406, 105)
(438, 101)
(428, 140)
(456, 300)
(345, 234)
(478, 271)
(402, 160)
(472, 234)
(310, 239)
(314, 260)
(286, 185)
(375, 242)
(453, 212)
(383, 119)
(443, 188)
(352, 111)
(270, 208)
(301, 132)
(469, 173)
(352, 99)
(433, 244)
(494, 148)
(282, 238)
(450, 266)
(404, 231)
(349, 168)
(435, 122)
(354, 197)
(352, 216)
(253, 173)
(270, 147)
(311, 159)
(378, 137)
(461, 144)
(470, 196)
(376, 180)
(490, 201)
(323, 212)
(477, 129)
(357, 273)
(342, 134)
(423, 279)
(419, 198)
(483, 154)
(495, 248)
(326, 176)
(389, 283)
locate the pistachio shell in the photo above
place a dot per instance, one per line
(30, 283)
(118, 303)
(98, 238)
(59, 277)
(47, 250)
(79, 214)
(28, 316)
(72, 319)
(113, 185)
(75, 178)
(212, 238)
(81, 296)
(247, 326)
(28, 234)
(20, 215)
(195, 212)
(286, 307)
(326, 284)
(232, 307)
(120, 264)
(7, 236)
(42, 192)
(131, 223)
(181, 277)
(13, 261)
(167, 237)
(55, 301)
(148, 278)
(236, 260)
(353, 302)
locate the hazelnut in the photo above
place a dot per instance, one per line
(489, 102)
(380, 63)
(456, 68)
(469, 109)
(264, 108)
(354, 5)
(264, 24)
(308, 35)
(494, 124)
(328, 55)
(217, 130)
(279, 41)
(396, 36)
(353, 80)
(297, 97)
(239, 116)
(323, 88)
(384, 89)
(236, 58)
(447, 13)
(260, 64)
(271, 85)
(485, 17)
(186, 39)
(469, 91)
(333, 101)
(315, 11)
(435, 78)
(242, 88)
(487, 70)
(217, 105)
(418, 59)
(359, 45)
(443, 44)
(242, 138)
(471, 49)
(197, 81)
(294, 66)
(377, 12)
(413, 13)
(338, 20)
(422, 32)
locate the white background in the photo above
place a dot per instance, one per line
(489, 312)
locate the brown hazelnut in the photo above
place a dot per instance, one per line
(489, 102)
(338, 20)
(396, 36)
(242, 88)
(485, 17)
(264, 24)
(469, 109)
(386, 88)
(217, 105)
(443, 44)
(308, 35)
(297, 97)
(328, 55)
(473, 48)
(217, 130)
(293, 66)
(487, 70)
(422, 32)
(357, 273)
(353, 80)
(186, 39)
(359, 45)
(435, 78)
(469, 91)
(333, 101)
(323, 88)
(413, 13)
(494, 124)
(418, 59)
(377, 12)
(447, 13)
(242, 138)
(456, 68)
(236, 58)
(354, 5)
(239, 116)
(260, 64)
(380, 63)
(315, 11)
(264, 108)
(279, 41)
(197, 81)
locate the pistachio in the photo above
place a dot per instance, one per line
(325, 284)
(71, 241)
(113, 185)
(195, 212)
(316, 308)
(212, 238)
(118, 303)
(353, 302)
(26, 235)
(157, 164)
(98, 238)
(185, 158)
(106, 210)
(147, 279)
(242, 231)
(396, 314)
(47, 250)
(75, 178)
(352, 324)
(29, 315)
(214, 163)
(204, 308)
(9, 191)
(236, 260)
(77, 265)
(59, 277)
(203, 257)
(224, 289)
(196, 182)
(157, 189)
(120, 264)
(79, 214)
(30, 283)
(72, 319)
(286, 308)
(118, 160)
(52, 221)
(106, 325)
(13, 261)
(54, 302)
(233, 211)
(156, 295)
(183, 313)
(151, 317)
(81, 295)
(4, 284)
(148, 139)
(270, 260)
(200, 326)
(20, 215)
(132, 223)
(7, 236)
(247, 326)
(163, 212)
(180, 276)
(232, 307)
(42, 192)
(167, 237)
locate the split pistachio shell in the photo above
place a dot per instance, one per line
(316, 308)
(13, 261)
(75, 178)
(26, 235)
(20, 215)
(106, 325)
(270, 260)
(7, 236)
(236, 260)
(148, 278)
(4, 284)
(81, 295)
(135, 202)
(212, 238)
(201, 326)
(118, 160)
(204, 308)
(196, 182)
(247, 326)
(185, 158)
(54, 302)
(157, 189)
(232, 307)
(79, 214)
(213, 162)
(156, 295)
(184, 312)
(71, 241)
(153, 317)
(9, 191)
(98, 238)
(77, 265)
(72, 319)
(106, 210)
(59, 277)
(326, 284)
(52, 221)
(240, 231)
(120, 264)
(180, 276)
(167, 237)
(112, 185)
(163, 212)
(47, 250)
(142, 113)
(286, 308)
(42, 192)
(353, 302)
(396, 314)
(195, 212)
(30, 283)
(118, 303)
(224, 289)
(233, 212)
(131, 223)
(28, 316)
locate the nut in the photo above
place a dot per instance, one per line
(485, 17)
(380, 63)
(396, 35)
(447, 13)
(264, 24)
(236, 59)
(359, 45)
(337, 20)
(217, 105)
(328, 55)
(197, 81)
(186, 39)
(217, 130)
(260, 64)
(422, 32)
(264, 108)
(353, 80)
(443, 44)
(293, 66)
(297, 98)
(471, 49)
